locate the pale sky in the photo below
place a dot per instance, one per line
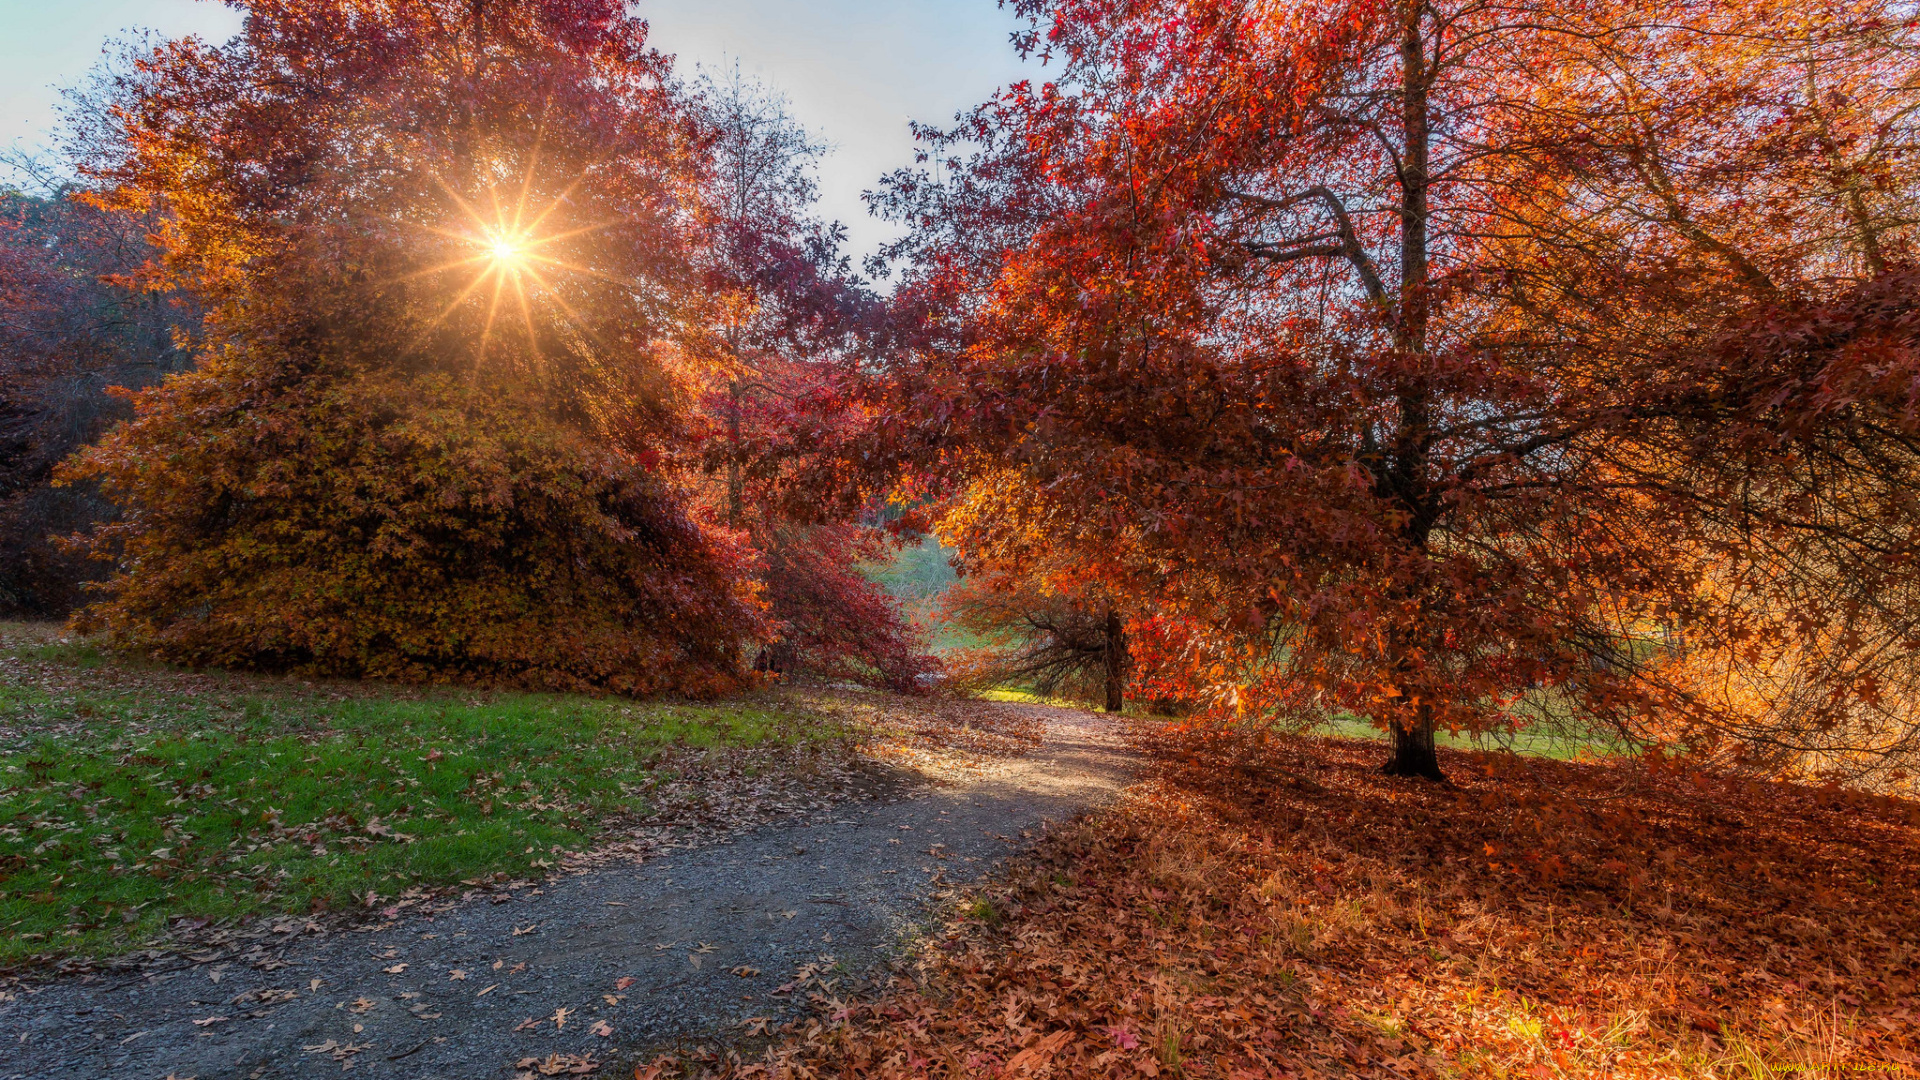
(856, 70)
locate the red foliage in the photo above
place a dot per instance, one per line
(833, 621)
(789, 323)
(1365, 339)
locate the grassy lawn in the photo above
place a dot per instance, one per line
(132, 795)
(1029, 697)
(1531, 743)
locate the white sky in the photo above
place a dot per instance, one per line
(856, 70)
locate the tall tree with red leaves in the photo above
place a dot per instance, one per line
(1376, 338)
(790, 322)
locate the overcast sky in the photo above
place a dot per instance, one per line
(856, 70)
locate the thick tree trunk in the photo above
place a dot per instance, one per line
(1413, 752)
(1116, 662)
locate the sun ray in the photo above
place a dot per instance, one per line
(533, 164)
(553, 294)
(459, 201)
(499, 216)
(510, 250)
(459, 300)
(526, 315)
(441, 268)
(493, 309)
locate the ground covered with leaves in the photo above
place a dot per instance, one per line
(941, 736)
(1282, 910)
(139, 802)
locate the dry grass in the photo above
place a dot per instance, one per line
(1284, 911)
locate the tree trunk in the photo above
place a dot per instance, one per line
(1413, 752)
(1116, 661)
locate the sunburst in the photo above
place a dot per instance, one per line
(506, 250)
(509, 245)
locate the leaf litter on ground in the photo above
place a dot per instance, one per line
(1280, 909)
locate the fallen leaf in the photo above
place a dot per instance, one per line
(456, 975)
(558, 1064)
(362, 1004)
(1040, 1053)
(746, 972)
(623, 982)
(395, 969)
(522, 931)
(560, 1018)
(338, 1051)
(601, 1028)
(211, 1020)
(488, 990)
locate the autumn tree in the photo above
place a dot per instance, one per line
(789, 321)
(1047, 618)
(439, 426)
(1377, 338)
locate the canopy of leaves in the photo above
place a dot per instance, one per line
(790, 322)
(439, 427)
(1374, 342)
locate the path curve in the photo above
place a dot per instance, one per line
(463, 995)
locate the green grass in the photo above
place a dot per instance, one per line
(1030, 697)
(131, 795)
(1531, 743)
(916, 573)
(918, 577)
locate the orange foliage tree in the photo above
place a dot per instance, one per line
(439, 421)
(1374, 339)
(1045, 618)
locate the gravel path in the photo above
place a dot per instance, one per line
(603, 963)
